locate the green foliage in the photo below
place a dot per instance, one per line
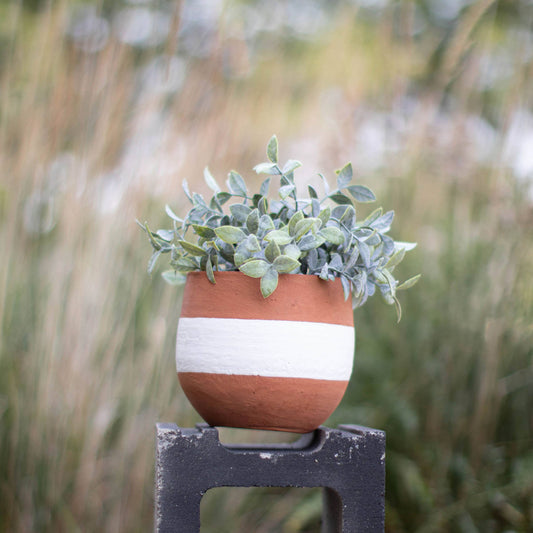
(265, 237)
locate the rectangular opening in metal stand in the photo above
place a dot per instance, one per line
(261, 509)
(229, 436)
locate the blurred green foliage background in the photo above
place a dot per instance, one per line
(106, 107)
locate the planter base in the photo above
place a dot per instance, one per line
(297, 405)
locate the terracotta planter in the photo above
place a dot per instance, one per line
(279, 363)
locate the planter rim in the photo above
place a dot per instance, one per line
(239, 274)
(298, 297)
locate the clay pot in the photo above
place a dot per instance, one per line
(280, 363)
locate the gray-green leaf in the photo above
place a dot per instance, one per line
(383, 223)
(340, 198)
(305, 225)
(266, 223)
(230, 234)
(266, 168)
(153, 261)
(310, 242)
(372, 217)
(165, 234)
(236, 183)
(407, 246)
(325, 182)
(285, 191)
(398, 308)
(186, 190)
(346, 287)
(344, 176)
(156, 245)
(299, 215)
(240, 212)
(239, 258)
(364, 251)
(252, 244)
(390, 280)
(209, 270)
(348, 218)
(315, 207)
(171, 214)
(210, 181)
(280, 237)
(223, 197)
(262, 205)
(395, 259)
(255, 268)
(362, 193)
(173, 278)
(272, 149)
(285, 264)
(353, 258)
(198, 199)
(192, 249)
(185, 264)
(292, 251)
(263, 191)
(333, 235)
(324, 215)
(291, 165)
(408, 283)
(203, 231)
(215, 205)
(324, 272)
(272, 251)
(252, 222)
(269, 282)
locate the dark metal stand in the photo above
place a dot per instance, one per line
(348, 462)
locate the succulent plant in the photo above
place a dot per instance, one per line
(318, 235)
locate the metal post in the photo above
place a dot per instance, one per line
(348, 462)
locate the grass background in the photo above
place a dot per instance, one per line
(106, 107)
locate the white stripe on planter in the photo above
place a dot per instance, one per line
(274, 348)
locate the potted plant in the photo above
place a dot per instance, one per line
(266, 337)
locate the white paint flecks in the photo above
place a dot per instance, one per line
(270, 348)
